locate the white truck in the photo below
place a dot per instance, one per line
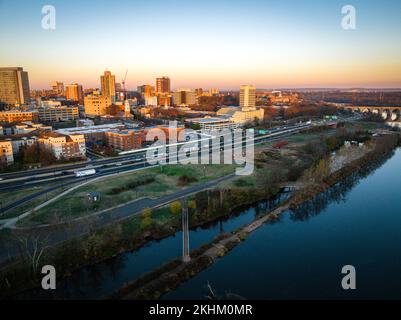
(84, 173)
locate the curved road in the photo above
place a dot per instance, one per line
(56, 235)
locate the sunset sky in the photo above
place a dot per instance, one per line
(223, 44)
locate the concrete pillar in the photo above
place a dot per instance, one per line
(185, 232)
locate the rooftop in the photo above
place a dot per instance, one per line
(91, 129)
(209, 120)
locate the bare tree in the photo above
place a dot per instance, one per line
(32, 249)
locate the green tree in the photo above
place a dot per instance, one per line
(175, 208)
(147, 217)
(192, 205)
(320, 171)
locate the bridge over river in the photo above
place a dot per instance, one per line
(389, 113)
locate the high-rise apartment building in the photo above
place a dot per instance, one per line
(57, 87)
(74, 92)
(14, 86)
(96, 104)
(163, 85)
(108, 82)
(146, 90)
(184, 97)
(248, 97)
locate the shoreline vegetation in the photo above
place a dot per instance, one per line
(169, 276)
(205, 207)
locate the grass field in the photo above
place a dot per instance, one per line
(166, 180)
(12, 196)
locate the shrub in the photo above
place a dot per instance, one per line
(185, 180)
(132, 185)
(175, 208)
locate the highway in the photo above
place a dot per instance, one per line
(65, 175)
(62, 174)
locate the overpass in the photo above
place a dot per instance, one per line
(388, 113)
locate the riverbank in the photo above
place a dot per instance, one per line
(168, 277)
(212, 205)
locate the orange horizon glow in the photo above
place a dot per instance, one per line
(223, 44)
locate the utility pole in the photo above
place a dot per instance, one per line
(185, 232)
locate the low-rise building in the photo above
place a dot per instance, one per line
(18, 116)
(53, 113)
(85, 123)
(29, 127)
(64, 146)
(6, 153)
(96, 104)
(124, 140)
(227, 111)
(20, 141)
(214, 123)
(241, 115)
(93, 134)
(247, 114)
(22, 128)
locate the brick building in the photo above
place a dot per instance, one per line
(125, 140)
(64, 146)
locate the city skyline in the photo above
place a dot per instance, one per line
(224, 45)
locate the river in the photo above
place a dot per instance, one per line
(357, 222)
(102, 279)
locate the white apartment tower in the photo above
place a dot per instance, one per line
(248, 97)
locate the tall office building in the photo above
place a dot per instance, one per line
(184, 97)
(14, 86)
(214, 91)
(163, 85)
(248, 97)
(108, 82)
(57, 87)
(146, 90)
(199, 92)
(74, 92)
(96, 104)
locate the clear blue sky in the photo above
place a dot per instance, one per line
(206, 43)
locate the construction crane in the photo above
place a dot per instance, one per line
(123, 83)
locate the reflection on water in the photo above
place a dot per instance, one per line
(283, 260)
(337, 193)
(356, 222)
(104, 278)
